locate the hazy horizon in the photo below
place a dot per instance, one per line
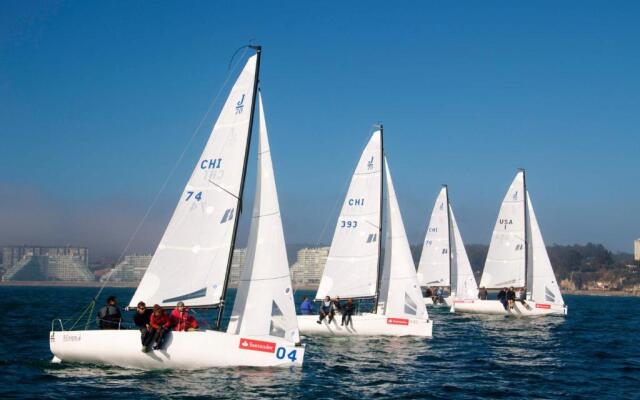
(98, 100)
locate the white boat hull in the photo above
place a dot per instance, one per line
(495, 307)
(182, 350)
(366, 325)
(448, 302)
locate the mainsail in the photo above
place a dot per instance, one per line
(264, 302)
(463, 283)
(542, 284)
(352, 265)
(506, 259)
(190, 263)
(399, 288)
(434, 266)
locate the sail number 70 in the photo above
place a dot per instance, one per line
(281, 352)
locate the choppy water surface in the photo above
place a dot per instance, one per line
(592, 353)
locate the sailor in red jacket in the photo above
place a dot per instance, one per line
(181, 320)
(160, 323)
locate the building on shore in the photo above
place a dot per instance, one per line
(636, 250)
(45, 263)
(131, 269)
(307, 270)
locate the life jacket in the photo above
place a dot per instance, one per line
(182, 321)
(162, 320)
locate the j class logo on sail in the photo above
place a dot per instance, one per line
(240, 105)
(370, 164)
(356, 202)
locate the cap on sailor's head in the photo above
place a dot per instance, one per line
(180, 304)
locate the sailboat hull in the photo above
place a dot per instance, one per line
(366, 325)
(182, 350)
(531, 308)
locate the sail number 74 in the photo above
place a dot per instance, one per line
(190, 194)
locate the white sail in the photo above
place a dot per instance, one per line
(190, 263)
(433, 268)
(543, 285)
(399, 288)
(505, 265)
(352, 265)
(264, 302)
(463, 283)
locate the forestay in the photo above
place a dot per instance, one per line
(190, 263)
(433, 268)
(463, 283)
(505, 265)
(352, 265)
(399, 288)
(264, 301)
(543, 285)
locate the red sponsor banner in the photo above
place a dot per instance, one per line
(257, 345)
(545, 306)
(397, 321)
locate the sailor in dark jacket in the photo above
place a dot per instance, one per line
(347, 312)
(502, 297)
(109, 316)
(511, 297)
(142, 320)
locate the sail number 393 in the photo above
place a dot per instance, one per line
(348, 224)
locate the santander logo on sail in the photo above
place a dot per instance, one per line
(257, 345)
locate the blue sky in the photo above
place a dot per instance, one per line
(97, 100)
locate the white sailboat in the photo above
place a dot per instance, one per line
(354, 268)
(192, 261)
(444, 261)
(517, 258)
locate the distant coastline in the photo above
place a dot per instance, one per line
(96, 284)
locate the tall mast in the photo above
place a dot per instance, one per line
(380, 261)
(526, 239)
(258, 50)
(446, 193)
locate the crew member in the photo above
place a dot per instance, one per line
(142, 319)
(181, 320)
(326, 310)
(347, 312)
(160, 323)
(109, 316)
(306, 308)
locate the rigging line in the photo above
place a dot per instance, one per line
(175, 165)
(223, 189)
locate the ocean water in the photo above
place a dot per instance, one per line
(592, 353)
